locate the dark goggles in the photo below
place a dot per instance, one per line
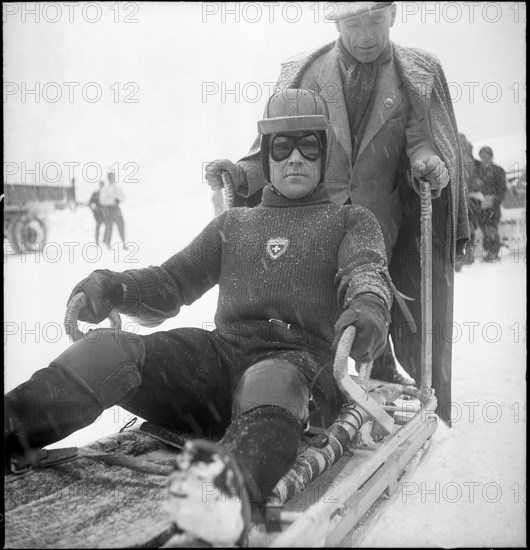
(282, 146)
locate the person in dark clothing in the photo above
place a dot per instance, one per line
(474, 196)
(293, 273)
(97, 210)
(493, 188)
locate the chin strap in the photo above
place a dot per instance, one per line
(276, 192)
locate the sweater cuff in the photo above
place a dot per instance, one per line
(131, 293)
(378, 296)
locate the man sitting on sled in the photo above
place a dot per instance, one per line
(293, 273)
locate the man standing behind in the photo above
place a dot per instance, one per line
(493, 181)
(110, 197)
(391, 114)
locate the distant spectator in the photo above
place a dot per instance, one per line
(474, 197)
(95, 206)
(493, 187)
(110, 197)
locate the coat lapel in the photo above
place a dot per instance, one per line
(388, 99)
(330, 88)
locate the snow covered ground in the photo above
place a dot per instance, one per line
(471, 488)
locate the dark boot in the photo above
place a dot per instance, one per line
(265, 443)
(92, 375)
(385, 369)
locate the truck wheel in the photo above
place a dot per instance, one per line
(9, 233)
(29, 234)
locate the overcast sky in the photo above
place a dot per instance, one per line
(158, 89)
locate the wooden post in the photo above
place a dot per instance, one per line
(426, 290)
(228, 187)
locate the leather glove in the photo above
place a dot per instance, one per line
(214, 170)
(103, 293)
(371, 317)
(432, 169)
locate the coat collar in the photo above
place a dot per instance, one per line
(329, 81)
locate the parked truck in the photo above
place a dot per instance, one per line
(26, 208)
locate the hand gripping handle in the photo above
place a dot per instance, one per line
(76, 304)
(354, 390)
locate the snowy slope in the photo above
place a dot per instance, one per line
(470, 489)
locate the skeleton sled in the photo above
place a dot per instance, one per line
(112, 493)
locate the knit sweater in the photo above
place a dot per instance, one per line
(298, 261)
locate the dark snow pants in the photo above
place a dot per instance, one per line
(100, 220)
(488, 221)
(112, 215)
(228, 383)
(253, 385)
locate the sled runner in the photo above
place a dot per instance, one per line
(113, 492)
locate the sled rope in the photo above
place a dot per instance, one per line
(313, 462)
(365, 371)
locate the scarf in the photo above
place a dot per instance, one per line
(359, 82)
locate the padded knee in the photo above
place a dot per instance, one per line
(272, 382)
(107, 363)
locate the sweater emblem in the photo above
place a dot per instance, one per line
(277, 247)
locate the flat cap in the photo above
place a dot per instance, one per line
(349, 9)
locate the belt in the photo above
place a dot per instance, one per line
(273, 330)
(281, 323)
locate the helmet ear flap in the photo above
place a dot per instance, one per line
(324, 157)
(264, 152)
